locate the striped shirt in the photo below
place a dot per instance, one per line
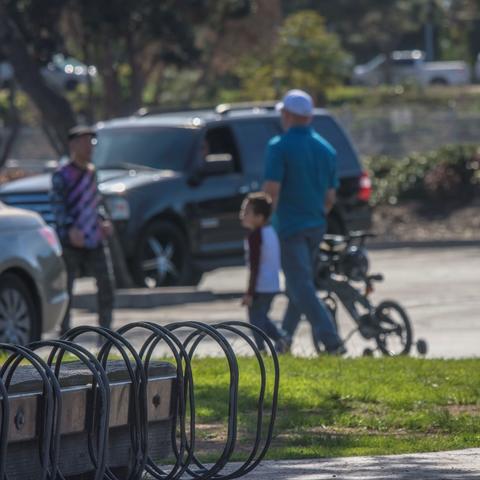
(75, 202)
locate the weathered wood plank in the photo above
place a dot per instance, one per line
(25, 408)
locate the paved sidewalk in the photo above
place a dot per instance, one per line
(449, 291)
(456, 465)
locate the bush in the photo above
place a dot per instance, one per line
(465, 98)
(451, 173)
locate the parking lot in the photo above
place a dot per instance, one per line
(438, 287)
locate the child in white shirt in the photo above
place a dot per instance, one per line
(262, 249)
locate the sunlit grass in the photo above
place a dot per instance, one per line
(339, 407)
(336, 407)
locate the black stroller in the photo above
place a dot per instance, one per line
(341, 274)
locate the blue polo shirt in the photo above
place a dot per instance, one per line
(305, 165)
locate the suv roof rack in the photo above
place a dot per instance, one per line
(226, 108)
(221, 109)
(146, 111)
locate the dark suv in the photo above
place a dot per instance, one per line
(174, 182)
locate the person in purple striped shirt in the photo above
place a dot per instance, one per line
(81, 224)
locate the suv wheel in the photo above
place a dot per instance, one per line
(194, 277)
(19, 322)
(162, 256)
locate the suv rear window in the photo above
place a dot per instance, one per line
(162, 148)
(348, 162)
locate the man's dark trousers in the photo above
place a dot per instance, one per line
(95, 262)
(298, 258)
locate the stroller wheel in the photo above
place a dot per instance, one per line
(394, 331)
(422, 347)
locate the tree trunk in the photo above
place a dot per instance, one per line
(90, 110)
(112, 92)
(137, 82)
(53, 107)
(14, 124)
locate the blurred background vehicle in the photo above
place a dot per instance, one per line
(61, 73)
(174, 182)
(33, 293)
(411, 66)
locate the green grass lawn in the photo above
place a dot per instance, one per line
(339, 407)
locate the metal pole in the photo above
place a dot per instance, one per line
(429, 33)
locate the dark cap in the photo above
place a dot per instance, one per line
(80, 131)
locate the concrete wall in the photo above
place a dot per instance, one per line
(401, 130)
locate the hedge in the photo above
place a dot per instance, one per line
(450, 174)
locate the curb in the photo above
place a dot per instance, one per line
(422, 244)
(138, 298)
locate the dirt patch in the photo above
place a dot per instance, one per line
(417, 221)
(456, 410)
(211, 438)
(331, 432)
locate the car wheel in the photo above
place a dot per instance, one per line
(194, 277)
(19, 320)
(162, 257)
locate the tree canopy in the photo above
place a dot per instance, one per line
(193, 51)
(127, 40)
(305, 55)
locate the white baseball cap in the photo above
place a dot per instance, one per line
(297, 102)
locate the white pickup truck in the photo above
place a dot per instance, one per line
(411, 66)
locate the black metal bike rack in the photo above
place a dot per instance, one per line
(51, 363)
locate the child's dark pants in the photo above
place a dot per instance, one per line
(258, 316)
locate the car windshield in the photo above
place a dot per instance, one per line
(61, 61)
(159, 148)
(375, 62)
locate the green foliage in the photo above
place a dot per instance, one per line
(22, 104)
(460, 34)
(367, 27)
(38, 22)
(131, 42)
(370, 97)
(337, 407)
(167, 52)
(450, 173)
(306, 56)
(464, 98)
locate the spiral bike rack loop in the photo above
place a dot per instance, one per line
(123, 413)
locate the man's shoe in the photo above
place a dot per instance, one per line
(283, 345)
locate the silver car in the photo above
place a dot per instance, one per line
(33, 282)
(61, 73)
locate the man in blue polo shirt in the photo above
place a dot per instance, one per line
(301, 178)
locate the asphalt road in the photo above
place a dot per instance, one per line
(438, 287)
